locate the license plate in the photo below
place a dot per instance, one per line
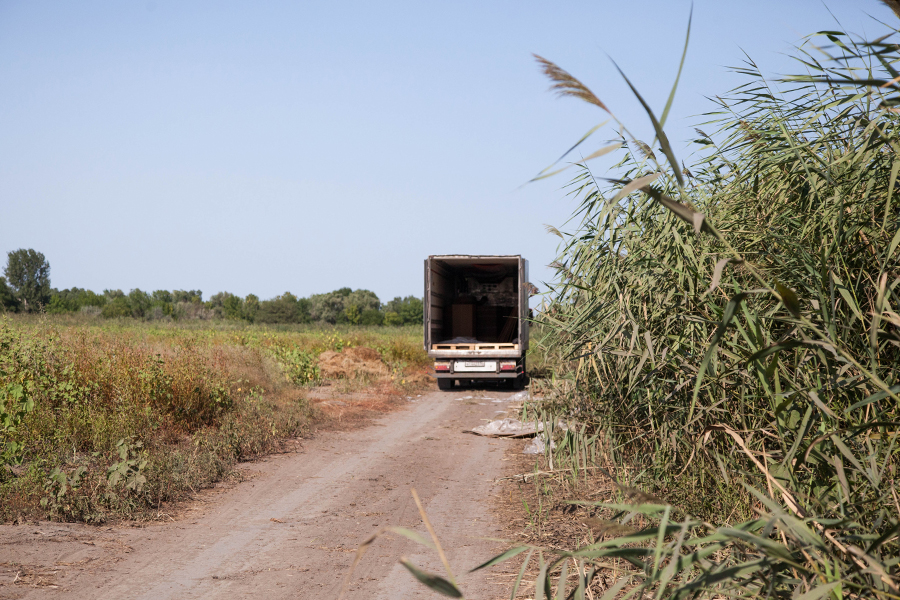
(474, 363)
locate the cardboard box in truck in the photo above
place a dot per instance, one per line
(476, 317)
(462, 320)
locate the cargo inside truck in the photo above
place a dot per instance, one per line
(474, 300)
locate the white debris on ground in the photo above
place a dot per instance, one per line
(518, 396)
(507, 428)
(513, 428)
(536, 445)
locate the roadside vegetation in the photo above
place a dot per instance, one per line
(725, 342)
(111, 419)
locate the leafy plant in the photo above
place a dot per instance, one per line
(299, 367)
(15, 404)
(129, 469)
(16, 399)
(57, 485)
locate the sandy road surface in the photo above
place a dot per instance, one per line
(291, 530)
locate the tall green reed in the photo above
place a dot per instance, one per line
(732, 330)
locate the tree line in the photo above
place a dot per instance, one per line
(25, 287)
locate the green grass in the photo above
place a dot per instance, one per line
(113, 419)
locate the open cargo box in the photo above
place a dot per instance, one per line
(476, 306)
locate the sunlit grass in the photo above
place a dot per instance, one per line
(107, 419)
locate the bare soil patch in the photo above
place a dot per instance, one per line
(536, 508)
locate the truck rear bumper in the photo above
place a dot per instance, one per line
(470, 375)
(479, 367)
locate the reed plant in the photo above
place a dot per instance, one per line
(732, 331)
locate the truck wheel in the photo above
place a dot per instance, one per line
(445, 385)
(518, 383)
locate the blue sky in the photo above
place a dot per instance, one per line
(306, 146)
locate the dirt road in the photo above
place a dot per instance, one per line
(291, 529)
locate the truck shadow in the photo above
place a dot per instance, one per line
(502, 385)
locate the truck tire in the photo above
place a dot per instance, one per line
(518, 383)
(445, 385)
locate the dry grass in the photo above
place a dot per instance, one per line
(128, 416)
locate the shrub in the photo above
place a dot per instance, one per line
(232, 307)
(410, 310)
(73, 300)
(187, 296)
(299, 367)
(250, 308)
(116, 308)
(371, 316)
(140, 303)
(342, 306)
(286, 308)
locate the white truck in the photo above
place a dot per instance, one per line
(476, 318)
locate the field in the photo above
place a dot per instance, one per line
(114, 419)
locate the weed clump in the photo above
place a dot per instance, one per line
(109, 423)
(112, 420)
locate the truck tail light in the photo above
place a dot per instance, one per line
(507, 365)
(442, 366)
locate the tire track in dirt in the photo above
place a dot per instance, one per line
(291, 531)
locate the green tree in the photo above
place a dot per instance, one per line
(327, 308)
(371, 317)
(28, 273)
(285, 308)
(73, 300)
(140, 303)
(303, 307)
(233, 308)
(164, 301)
(409, 310)
(118, 307)
(342, 306)
(364, 300)
(8, 302)
(250, 307)
(226, 305)
(350, 315)
(163, 296)
(217, 302)
(191, 296)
